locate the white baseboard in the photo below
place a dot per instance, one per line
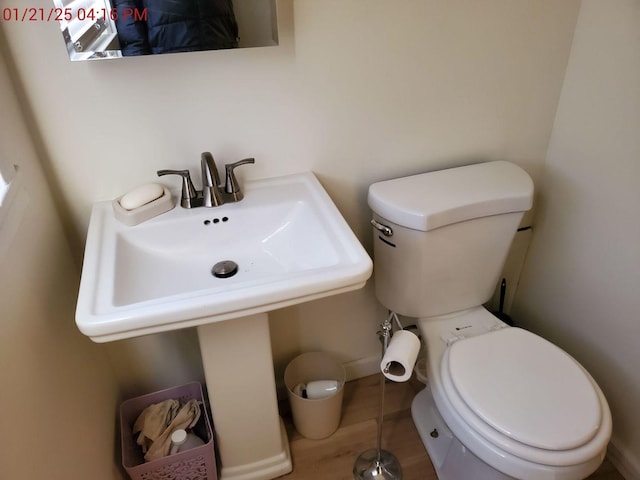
(625, 461)
(363, 367)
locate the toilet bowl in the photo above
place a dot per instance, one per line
(501, 402)
(519, 403)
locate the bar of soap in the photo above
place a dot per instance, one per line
(160, 205)
(141, 196)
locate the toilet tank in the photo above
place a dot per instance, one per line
(450, 235)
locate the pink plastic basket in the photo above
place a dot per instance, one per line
(194, 464)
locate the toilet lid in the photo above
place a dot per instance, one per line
(526, 388)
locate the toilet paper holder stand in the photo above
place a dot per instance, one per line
(379, 464)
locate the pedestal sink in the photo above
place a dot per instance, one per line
(290, 245)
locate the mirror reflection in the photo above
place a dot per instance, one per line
(94, 29)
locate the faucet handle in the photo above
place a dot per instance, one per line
(231, 186)
(189, 194)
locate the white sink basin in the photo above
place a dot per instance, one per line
(288, 239)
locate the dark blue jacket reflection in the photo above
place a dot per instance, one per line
(169, 26)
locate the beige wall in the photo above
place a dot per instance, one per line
(58, 395)
(580, 281)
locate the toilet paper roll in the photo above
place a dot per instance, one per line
(400, 358)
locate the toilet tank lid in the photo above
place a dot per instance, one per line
(435, 199)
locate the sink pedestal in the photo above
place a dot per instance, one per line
(238, 368)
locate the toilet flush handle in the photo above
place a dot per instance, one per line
(386, 231)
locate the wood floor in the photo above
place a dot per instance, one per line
(333, 458)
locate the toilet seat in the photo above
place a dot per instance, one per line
(526, 388)
(543, 407)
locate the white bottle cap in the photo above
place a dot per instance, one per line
(179, 437)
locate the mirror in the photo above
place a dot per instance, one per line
(96, 29)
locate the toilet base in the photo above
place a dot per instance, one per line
(450, 458)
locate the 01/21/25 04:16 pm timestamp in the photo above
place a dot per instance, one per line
(55, 14)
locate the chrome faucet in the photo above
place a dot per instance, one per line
(210, 195)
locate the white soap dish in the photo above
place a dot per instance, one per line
(145, 212)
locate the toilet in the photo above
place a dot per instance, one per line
(500, 401)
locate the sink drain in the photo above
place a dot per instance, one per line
(225, 269)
